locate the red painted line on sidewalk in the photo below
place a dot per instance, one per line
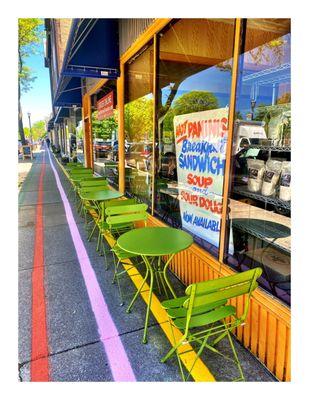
(39, 368)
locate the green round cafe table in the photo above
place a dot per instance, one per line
(151, 243)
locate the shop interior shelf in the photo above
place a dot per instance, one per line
(270, 147)
(259, 231)
(258, 196)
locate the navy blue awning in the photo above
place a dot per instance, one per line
(92, 49)
(50, 124)
(63, 112)
(68, 93)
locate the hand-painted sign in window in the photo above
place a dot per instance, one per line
(200, 150)
(105, 106)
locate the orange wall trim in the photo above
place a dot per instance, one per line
(268, 328)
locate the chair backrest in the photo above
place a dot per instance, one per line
(94, 178)
(74, 164)
(203, 293)
(126, 214)
(118, 203)
(115, 203)
(93, 183)
(80, 177)
(81, 171)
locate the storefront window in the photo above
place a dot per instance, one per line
(105, 133)
(72, 129)
(194, 79)
(139, 125)
(259, 201)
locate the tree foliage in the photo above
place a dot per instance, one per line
(139, 119)
(38, 130)
(188, 103)
(29, 37)
(195, 101)
(104, 128)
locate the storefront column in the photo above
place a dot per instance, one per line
(88, 151)
(61, 137)
(121, 133)
(56, 138)
(229, 144)
(155, 124)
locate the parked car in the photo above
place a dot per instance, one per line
(101, 147)
(139, 156)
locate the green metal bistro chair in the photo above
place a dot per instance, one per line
(72, 165)
(101, 222)
(90, 184)
(77, 176)
(80, 170)
(119, 220)
(203, 313)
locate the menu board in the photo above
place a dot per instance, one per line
(200, 140)
(26, 150)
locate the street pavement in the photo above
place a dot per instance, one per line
(68, 321)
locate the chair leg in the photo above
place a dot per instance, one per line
(235, 356)
(91, 233)
(137, 292)
(118, 283)
(161, 277)
(148, 307)
(172, 350)
(104, 251)
(198, 355)
(219, 338)
(98, 242)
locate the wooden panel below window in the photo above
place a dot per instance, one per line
(267, 330)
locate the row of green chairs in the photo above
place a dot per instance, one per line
(204, 315)
(115, 217)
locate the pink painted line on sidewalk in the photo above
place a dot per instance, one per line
(118, 360)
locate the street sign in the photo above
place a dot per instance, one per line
(105, 106)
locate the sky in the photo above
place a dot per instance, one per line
(37, 100)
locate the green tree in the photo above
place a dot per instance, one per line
(104, 128)
(38, 130)
(188, 103)
(197, 100)
(27, 132)
(29, 37)
(139, 119)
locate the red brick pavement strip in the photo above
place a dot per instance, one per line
(39, 342)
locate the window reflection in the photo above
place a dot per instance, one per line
(193, 99)
(105, 133)
(138, 116)
(259, 232)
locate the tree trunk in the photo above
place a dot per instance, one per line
(20, 120)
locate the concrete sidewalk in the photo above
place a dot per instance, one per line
(75, 349)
